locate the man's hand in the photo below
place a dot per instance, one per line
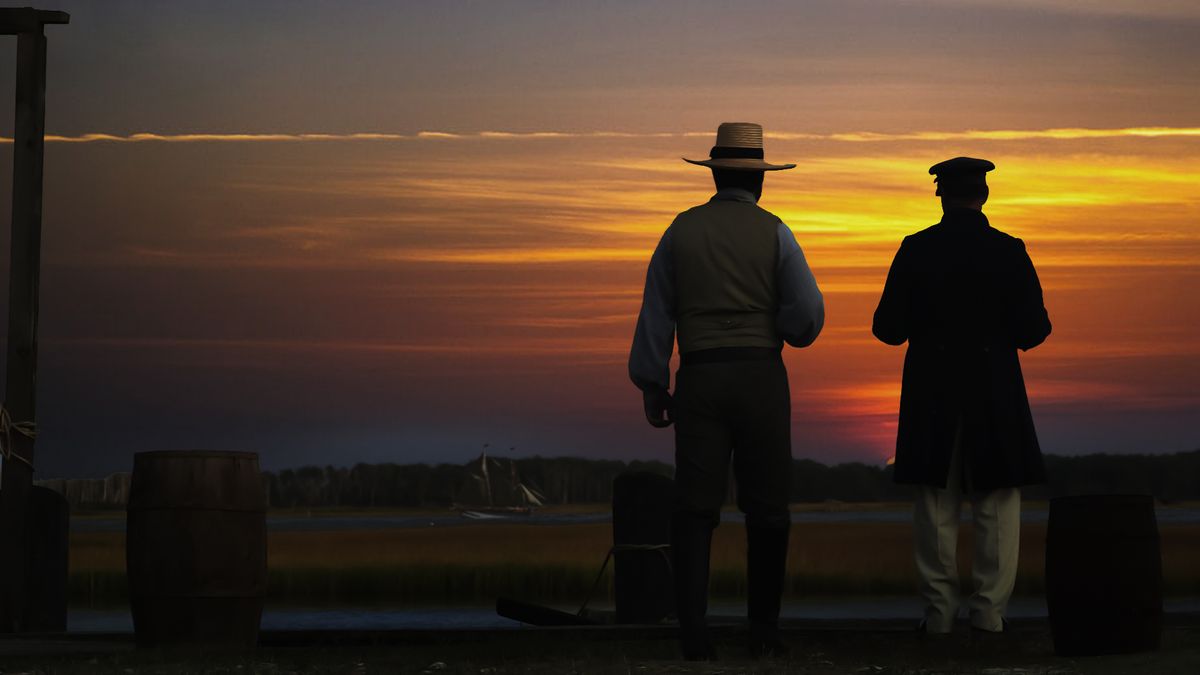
(658, 405)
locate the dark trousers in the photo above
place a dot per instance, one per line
(739, 410)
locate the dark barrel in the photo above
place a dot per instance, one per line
(642, 583)
(196, 548)
(1103, 575)
(46, 590)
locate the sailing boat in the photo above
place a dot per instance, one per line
(494, 489)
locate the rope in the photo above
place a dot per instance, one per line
(661, 548)
(7, 427)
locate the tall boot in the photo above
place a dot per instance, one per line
(766, 569)
(691, 539)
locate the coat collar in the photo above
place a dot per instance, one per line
(964, 217)
(734, 195)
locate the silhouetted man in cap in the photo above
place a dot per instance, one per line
(966, 297)
(728, 279)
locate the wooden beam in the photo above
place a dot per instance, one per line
(16, 20)
(20, 385)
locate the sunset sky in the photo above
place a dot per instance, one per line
(377, 231)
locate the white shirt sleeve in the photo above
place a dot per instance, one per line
(654, 338)
(801, 312)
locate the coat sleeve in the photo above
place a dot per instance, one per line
(892, 315)
(801, 313)
(1031, 323)
(654, 337)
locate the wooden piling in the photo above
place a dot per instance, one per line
(25, 256)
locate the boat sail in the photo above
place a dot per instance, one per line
(494, 488)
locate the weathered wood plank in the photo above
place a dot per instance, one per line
(20, 385)
(15, 20)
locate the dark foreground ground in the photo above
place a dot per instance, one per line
(869, 648)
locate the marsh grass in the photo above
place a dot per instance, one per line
(558, 563)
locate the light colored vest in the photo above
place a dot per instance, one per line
(724, 254)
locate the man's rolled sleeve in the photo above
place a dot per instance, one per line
(654, 338)
(801, 312)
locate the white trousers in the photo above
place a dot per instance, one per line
(996, 516)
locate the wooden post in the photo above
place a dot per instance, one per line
(20, 386)
(643, 586)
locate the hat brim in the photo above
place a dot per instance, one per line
(739, 164)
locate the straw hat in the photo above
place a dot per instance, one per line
(739, 147)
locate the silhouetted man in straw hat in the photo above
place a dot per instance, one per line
(729, 280)
(966, 297)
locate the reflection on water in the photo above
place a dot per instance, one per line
(292, 523)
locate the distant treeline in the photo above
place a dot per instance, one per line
(566, 480)
(561, 480)
(569, 480)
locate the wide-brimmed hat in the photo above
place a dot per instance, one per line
(739, 147)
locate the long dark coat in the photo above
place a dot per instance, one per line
(966, 297)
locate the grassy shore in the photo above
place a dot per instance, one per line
(558, 563)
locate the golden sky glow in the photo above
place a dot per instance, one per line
(492, 285)
(334, 232)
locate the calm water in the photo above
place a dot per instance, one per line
(286, 523)
(350, 618)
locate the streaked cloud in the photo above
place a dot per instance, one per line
(517, 256)
(532, 347)
(848, 137)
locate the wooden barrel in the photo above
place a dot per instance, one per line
(642, 582)
(47, 533)
(196, 548)
(1103, 575)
